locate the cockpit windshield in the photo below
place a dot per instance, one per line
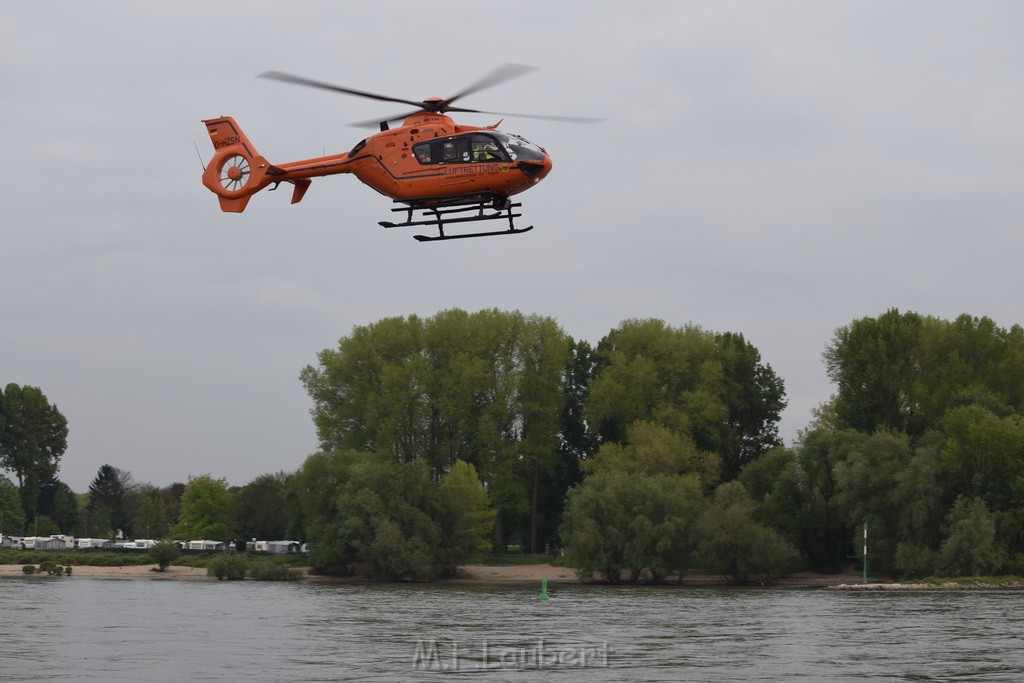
(519, 148)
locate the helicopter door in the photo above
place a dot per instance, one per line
(450, 151)
(455, 150)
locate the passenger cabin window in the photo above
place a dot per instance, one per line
(422, 152)
(463, 149)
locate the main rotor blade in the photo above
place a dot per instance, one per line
(309, 82)
(505, 72)
(373, 123)
(542, 117)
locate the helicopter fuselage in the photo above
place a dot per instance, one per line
(428, 158)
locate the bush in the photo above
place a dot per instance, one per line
(163, 553)
(632, 525)
(1014, 566)
(970, 547)
(737, 545)
(393, 557)
(196, 559)
(915, 562)
(274, 571)
(395, 523)
(50, 567)
(230, 567)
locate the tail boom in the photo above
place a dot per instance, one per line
(237, 171)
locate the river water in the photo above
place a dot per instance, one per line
(81, 628)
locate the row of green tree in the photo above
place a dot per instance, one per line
(655, 450)
(526, 404)
(115, 506)
(923, 442)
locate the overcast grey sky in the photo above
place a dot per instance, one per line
(772, 168)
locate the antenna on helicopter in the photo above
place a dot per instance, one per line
(199, 154)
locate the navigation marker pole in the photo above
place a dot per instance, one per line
(543, 590)
(865, 551)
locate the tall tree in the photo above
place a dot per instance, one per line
(905, 371)
(874, 363)
(206, 510)
(544, 352)
(712, 389)
(151, 517)
(172, 495)
(578, 440)
(485, 388)
(954, 392)
(110, 501)
(798, 493)
(984, 455)
(12, 517)
(58, 502)
(261, 508)
(466, 494)
(754, 397)
(33, 437)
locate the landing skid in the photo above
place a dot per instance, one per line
(440, 215)
(442, 236)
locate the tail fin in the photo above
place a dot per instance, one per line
(236, 171)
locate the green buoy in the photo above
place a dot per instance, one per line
(543, 590)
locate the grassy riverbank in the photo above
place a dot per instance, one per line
(127, 558)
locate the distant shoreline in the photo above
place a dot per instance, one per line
(530, 575)
(533, 574)
(930, 586)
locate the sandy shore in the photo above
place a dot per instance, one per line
(470, 574)
(484, 574)
(140, 572)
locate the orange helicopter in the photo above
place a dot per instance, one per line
(452, 173)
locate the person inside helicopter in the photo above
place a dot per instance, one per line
(484, 149)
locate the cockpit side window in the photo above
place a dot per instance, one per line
(485, 148)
